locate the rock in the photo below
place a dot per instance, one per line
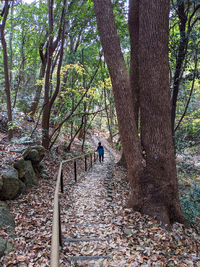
(29, 178)
(10, 185)
(109, 199)
(39, 168)
(19, 166)
(7, 221)
(2, 246)
(9, 247)
(35, 154)
(6, 218)
(157, 264)
(128, 231)
(22, 189)
(26, 174)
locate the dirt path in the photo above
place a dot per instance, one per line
(99, 231)
(89, 216)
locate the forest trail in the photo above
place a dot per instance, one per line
(89, 218)
(99, 231)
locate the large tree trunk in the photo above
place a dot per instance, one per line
(122, 161)
(121, 89)
(154, 187)
(133, 21)
(158, 184)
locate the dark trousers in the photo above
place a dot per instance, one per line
(101, 158)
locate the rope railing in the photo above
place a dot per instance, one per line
(56, 240)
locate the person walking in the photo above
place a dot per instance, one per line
(100, 150)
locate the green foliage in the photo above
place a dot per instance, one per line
(11, 125)
(190, 203)
(23, 140)
(189, 131)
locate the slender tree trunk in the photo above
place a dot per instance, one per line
(51, 48)
(23, 73)
(36, 99)
(179, 62)
(84, 133)
(16, 90)
(107, 114)
(45, 117)
(7, 86)
(10, 40)
(5, 62)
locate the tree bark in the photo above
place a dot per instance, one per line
(10, 41)
(106, 109)
(35, 102)
(154, 187)
(133, 21)
(122, 161)
(121, 89)
(158, 184)
(5, 62)
(51, 49)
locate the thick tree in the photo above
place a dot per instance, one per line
(133, 21)
(154, 186)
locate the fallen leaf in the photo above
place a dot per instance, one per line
(105, 262)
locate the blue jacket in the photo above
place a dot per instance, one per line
(100, 150)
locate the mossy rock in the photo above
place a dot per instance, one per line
(6, 218)
(10, 186)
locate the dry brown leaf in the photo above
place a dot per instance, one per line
(105, 262)
(22, 258)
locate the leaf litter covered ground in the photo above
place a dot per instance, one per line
(128, 238)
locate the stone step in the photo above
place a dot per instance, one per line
(93, 170)
(87, 224)
(88, 258)
(85, 212)
(84, 239)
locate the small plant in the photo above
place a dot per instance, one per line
(190, 203)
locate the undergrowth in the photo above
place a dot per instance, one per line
(190, 202)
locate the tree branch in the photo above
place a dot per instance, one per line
(87, 89)
(38, 118)
(186, 107)
(192, 15)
